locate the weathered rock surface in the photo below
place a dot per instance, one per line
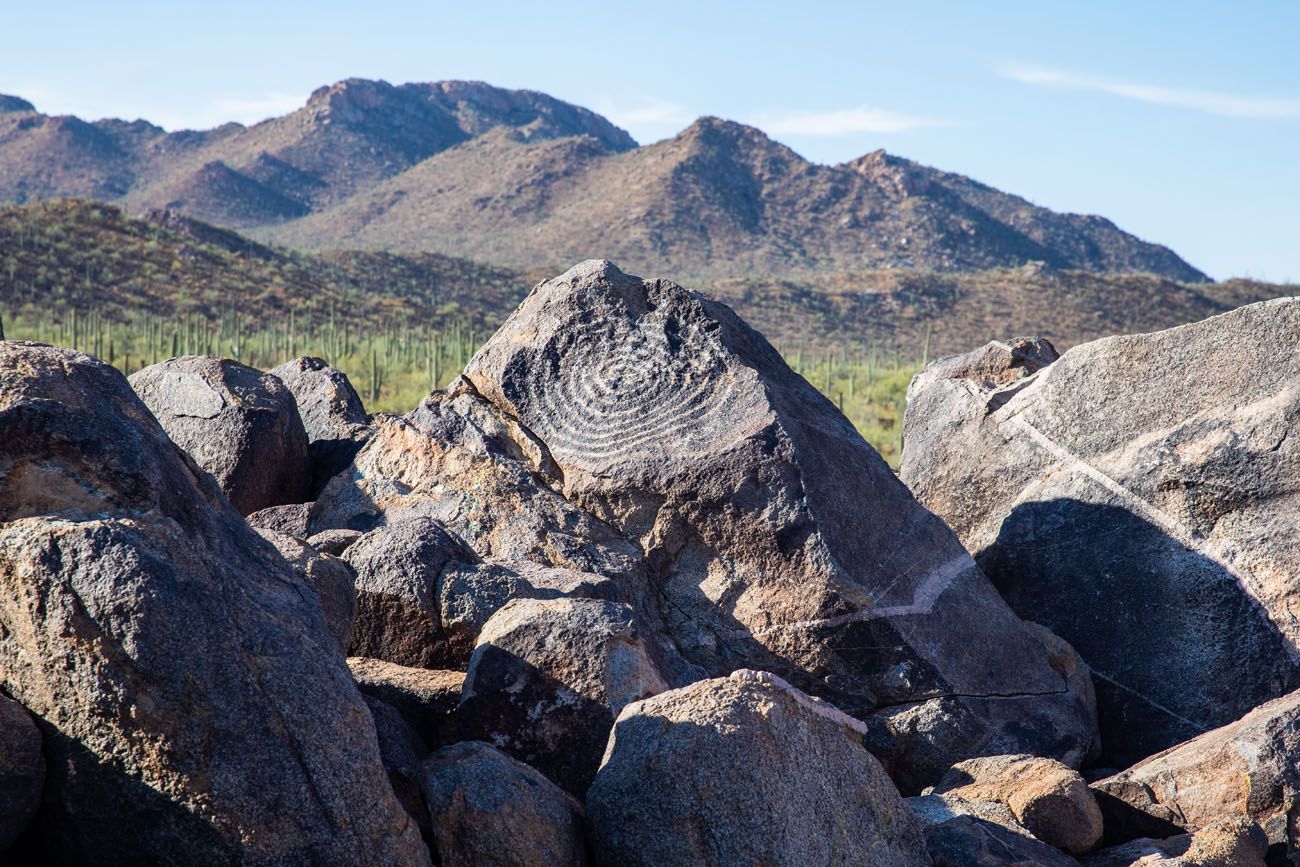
(777, 537)
(334, 541)
(457, 460)
(22, 770)
(1050, 800)
(1136, 496)
(1248, 769)
(470, 593)
(330, 578)
(548, 678)
(1229, 843)
(746, 770)
(332, 414)
(238, 423)
(425, 697)
(488, 809)
(397, 568)
(1067, 662)
(289, 519)
(935, 809)
(192, 706)
(967, 841)
(402, 750)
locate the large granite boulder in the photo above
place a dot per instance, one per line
(746, 770)
(489, 810)
(548, 678)
(238, 423)
(332, 414)
(1249, 769)
(1050, 800)
(1137, 496)
(22, 770)
(776, 537)
(331, 578)
(193, 706)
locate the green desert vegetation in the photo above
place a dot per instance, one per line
(393, 365)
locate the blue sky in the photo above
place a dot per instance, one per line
(1179, 121)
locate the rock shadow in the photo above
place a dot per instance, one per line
(1176, 644)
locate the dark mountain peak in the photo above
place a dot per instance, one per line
(11, 104)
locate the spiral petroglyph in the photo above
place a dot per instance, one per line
(608, 394)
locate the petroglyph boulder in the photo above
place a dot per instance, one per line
(777, 538)
(1138, 497)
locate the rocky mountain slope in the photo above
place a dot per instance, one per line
(519, 178)
(63, 256)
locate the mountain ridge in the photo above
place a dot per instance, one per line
(521, 178)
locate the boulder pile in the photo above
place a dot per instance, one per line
(630, 591)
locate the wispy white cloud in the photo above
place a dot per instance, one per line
(649, 112)
(846, 121)
(1207, 101)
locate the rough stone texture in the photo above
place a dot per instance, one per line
(457, 460)
(402, 750)
(548, 678)
(470, 593)
(935, 809)
(489, 810)
(332, 579)
(1136, 496)
(192, 705)
(22, 770)
(289, 519)
(239, 424)
(334, 541)
(332, 414)
(1229, 843)
(397, 568)
(1247, 769)
(968, 841)
(746, 770)
(777, 537)
(425, 697)
(1067, 662)
(1052, 801)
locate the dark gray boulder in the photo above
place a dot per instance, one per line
(775, 537)
(332, 580)
(397, 568)
(1136, 496)
(335, 420)
(548, 678)
(968, 841)
(488, 810)
(746, 770)
(238, 423)
(192, 703)
(289, 519)
(22, 770)
(424, 697)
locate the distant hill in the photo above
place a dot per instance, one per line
(61, 256)
(525, 180)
